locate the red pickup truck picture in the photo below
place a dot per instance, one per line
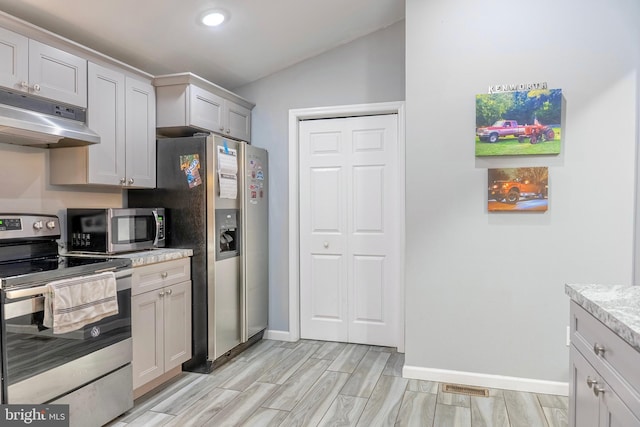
(503, 128)
(518, 189)
(512, 191)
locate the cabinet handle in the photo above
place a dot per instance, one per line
(24, 85)
(161, 294)
(130, 181)
(169, 291)
(326, 245)
(598, 389)
(228, 131)
(123, 181)
(598, 349)
(221, 129)
(36, 87)
(591, 382)
(164, 274)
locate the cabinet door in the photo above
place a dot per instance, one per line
(237, 121)
(150, 277)
(613, 412)
(147, 323)
(57, 75)
(14, 59)
(584, 404)
(177, 324)
(106, 162)
(140, 134)
(205, 109)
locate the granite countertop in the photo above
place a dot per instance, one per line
(153, 256)
(618, 307)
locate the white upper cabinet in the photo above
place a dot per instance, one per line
(237, 120)
(106, 117)
(214, 113)
(14, 59)
(188, 104)
(140, 134)
(56, 74)
(205, 109)
(38, 69)
(122, 111)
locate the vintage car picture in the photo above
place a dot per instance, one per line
(519, 123)
(518, 189)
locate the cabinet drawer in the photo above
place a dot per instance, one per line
(618, 362)
(155, 276)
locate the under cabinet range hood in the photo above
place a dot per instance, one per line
(41, 123)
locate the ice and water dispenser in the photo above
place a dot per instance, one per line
(227, 234)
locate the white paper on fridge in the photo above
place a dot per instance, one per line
(228, 172)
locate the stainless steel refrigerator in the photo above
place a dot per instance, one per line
(215, 192)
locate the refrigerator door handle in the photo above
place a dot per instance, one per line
(244, 327)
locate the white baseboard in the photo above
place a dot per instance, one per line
(486, 380)
(270, 334)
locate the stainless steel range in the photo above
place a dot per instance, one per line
(88, 368)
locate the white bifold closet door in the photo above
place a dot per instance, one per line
(349, 230)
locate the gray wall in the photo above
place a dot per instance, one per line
(369, 69)
(24, 176)
(485, 292)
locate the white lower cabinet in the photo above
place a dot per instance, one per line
(604, 386)
(160, 320)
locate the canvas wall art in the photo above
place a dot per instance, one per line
(518, 189)
(519, 123)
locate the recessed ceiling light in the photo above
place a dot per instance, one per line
(213, 18)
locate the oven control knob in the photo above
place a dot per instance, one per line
(37, 225)
(51, 225)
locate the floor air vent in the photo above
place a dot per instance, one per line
(465, 389)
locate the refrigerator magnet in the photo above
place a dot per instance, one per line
(190, 164)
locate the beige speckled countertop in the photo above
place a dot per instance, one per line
(153, 256)
(150, 256)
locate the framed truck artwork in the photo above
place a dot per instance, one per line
(519, 123)
(518, 189)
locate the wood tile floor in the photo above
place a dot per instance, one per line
(312, 383)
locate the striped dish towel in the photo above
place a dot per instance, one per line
(70, 304)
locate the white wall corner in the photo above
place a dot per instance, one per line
(279, 335)
(486, 380)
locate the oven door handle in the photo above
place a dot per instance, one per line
(29, 292)
(39, 290)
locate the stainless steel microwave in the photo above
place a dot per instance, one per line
(115, 230)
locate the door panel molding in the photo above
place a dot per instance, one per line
(368, 147)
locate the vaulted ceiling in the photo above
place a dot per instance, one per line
(164, 36)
